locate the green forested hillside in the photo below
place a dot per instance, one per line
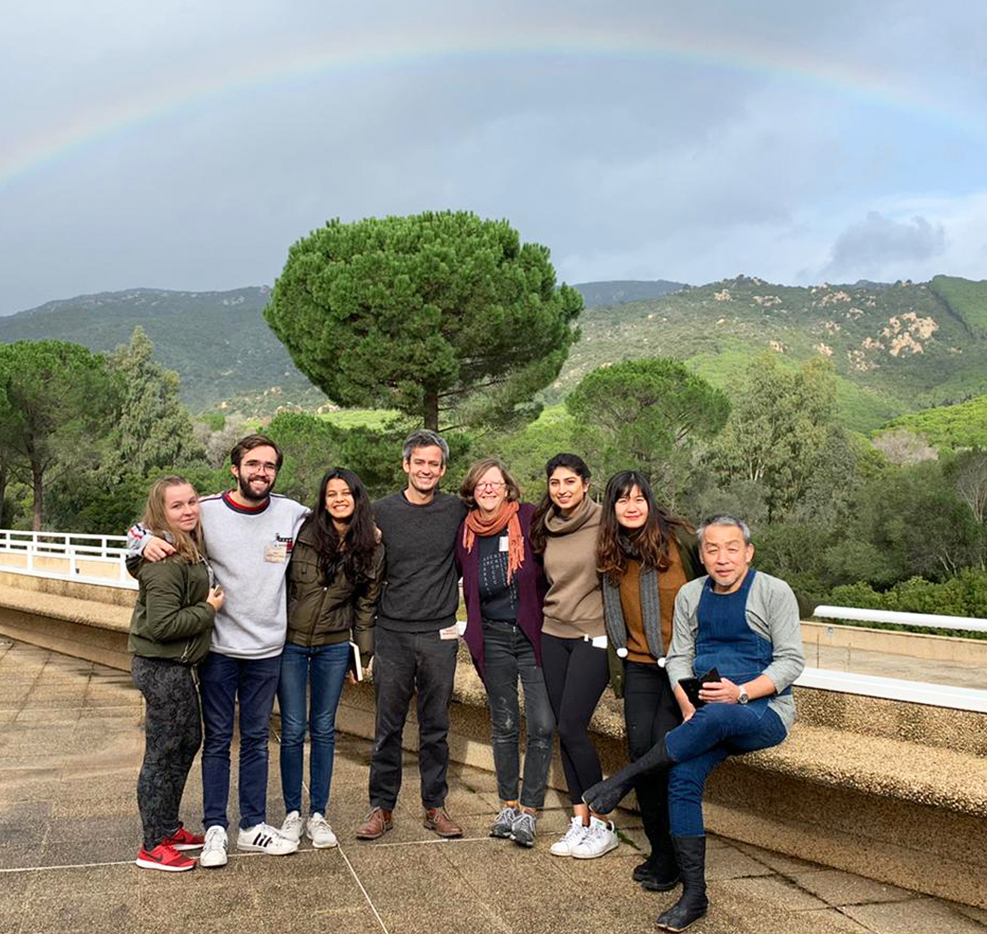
(966, 299)
(949, 427)
(216, 341)
(895, 348)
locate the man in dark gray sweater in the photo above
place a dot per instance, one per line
(416, 636)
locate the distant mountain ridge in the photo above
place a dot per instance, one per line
(217, 341)
(896, 348)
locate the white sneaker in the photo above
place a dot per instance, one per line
(292, 826)
(573, 836)
(213, 853)
(263, 838)
(600, 838)
(320, 833)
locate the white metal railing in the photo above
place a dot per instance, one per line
(913, 692)
(90, 559)
(929, 620)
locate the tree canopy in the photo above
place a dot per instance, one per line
(443, 316)
(779, 424)
(646, 414)
(60, 397)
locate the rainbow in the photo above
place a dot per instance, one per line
(434, 49)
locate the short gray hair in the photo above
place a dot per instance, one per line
(425, 438)
(727, 520)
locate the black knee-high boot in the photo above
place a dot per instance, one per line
(604, 796)
(691, 854)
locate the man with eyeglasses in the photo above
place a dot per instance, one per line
(249, 534)
(417, 637)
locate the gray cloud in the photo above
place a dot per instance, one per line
(879, 244)
(691, 141)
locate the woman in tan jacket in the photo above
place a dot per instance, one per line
(574, 642)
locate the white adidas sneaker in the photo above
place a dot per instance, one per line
(573, 836)
(263, 838)
(600, 838)
(213, 853)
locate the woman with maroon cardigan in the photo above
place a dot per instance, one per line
(504, 587)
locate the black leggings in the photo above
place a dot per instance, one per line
(173, 734)
(650, 711)
(576, 674)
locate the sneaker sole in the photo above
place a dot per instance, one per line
(501, 835)
(324, 846)
(555, 852)
(525, 843)
(183, 847)
(213, 862)
(612, 846)
(253, 848)
(150, 864)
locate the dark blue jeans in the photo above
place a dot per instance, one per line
(222, 682)
(323, 667)
(509, 657)
(407, 663)
(702, 743)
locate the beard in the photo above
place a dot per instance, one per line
(247, 493)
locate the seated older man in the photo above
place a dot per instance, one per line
(742, 625)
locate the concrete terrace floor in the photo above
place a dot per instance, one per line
(70, 750)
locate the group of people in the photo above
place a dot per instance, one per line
(249, 595)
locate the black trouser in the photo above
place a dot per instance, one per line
(509, 657)
(406, 662)
(173, 734)
(576, 674)
(650, 711)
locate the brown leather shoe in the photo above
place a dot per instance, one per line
(438, 820)
(375, 825)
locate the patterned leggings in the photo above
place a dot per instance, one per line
(173, 734)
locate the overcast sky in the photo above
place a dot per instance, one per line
(186, 144)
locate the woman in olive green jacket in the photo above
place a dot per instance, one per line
(333, 584)
(169, 633)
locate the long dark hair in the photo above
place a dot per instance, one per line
(650, 542)
(571, 462)
(356, 549)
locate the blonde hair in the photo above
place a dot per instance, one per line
(190, 545)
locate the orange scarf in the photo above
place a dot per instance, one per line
(475, 525)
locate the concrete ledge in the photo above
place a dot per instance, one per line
(71, 625)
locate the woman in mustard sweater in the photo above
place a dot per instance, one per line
(645, 555)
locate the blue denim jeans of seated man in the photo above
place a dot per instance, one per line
(308, 694)
(223, 682)
(510, 657)
(702, 743)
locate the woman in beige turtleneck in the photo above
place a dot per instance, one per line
(574, 642)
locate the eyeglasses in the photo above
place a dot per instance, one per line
(492, 485)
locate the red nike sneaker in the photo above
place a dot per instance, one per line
(182, 839)
(164, 857)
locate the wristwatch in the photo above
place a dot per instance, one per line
(742, 697)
